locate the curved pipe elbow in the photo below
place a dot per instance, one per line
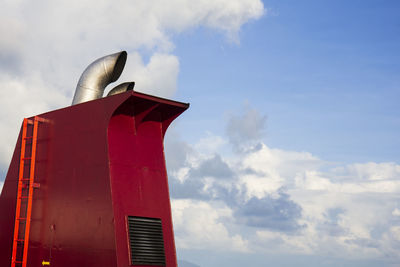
(121, 88)
(97, 76)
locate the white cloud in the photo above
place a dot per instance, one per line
(210, 144)
(227, 16)
(19, 97)
(48, 44)
(396, 212)
(273, 169)
(345, 211)
(244, 131)
(373, 171)
(314, 180)
(275, 242)
(158, 77)
(198, 225)
(395, 231)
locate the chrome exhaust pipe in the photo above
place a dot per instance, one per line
(121, 88)
(97, 76)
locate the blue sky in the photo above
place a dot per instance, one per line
(289, 153)
(325, 73)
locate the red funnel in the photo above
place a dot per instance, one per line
(103, 198)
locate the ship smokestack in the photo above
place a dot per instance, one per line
(97, 76)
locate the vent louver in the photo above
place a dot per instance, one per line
(146, 241)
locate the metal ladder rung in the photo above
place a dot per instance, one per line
(24, 202)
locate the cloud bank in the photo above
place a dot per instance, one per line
(258, 199)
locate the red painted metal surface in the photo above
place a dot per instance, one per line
(97, 163)
(26, 185)
(19, 194)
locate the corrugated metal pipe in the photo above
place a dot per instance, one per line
(97, 76)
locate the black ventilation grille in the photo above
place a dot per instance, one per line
(146, 241)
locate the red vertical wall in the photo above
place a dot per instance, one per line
(97, 163)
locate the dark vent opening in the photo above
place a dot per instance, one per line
(146, 241)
